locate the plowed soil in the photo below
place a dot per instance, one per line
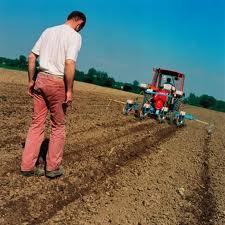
(118, 170)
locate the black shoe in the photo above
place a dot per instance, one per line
(55, 173)
(38, 171)
(27, 173)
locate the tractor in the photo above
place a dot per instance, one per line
(162, 99)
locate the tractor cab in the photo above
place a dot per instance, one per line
(168, 80)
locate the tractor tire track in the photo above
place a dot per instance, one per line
(91, 143)
(207, 204)
(86, 151)
(203, 206)
(94, 181)
(81, 145)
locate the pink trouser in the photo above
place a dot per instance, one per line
(49, 94)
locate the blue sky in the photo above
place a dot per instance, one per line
(127, 38)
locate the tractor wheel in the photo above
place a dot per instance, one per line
(177, 104)
(137, 114)
(141, 115)
(180, 122)
(175, 120)
(161, 117)
(171, 117)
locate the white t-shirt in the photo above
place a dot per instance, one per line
(55, 45)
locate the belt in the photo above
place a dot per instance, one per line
(56, 76)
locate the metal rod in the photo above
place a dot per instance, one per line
(201, 121)
(117, 101)
(108, 104)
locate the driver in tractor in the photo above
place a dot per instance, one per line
(169, 86)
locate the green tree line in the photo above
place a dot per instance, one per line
(92, 76)
(20, 63)
(205, 101)
(101, 78)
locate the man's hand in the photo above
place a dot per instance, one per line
(68, 101)
(30, 88)
(69, 78)
(69, 98)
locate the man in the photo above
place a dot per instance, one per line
(57, 49)
(168, 85)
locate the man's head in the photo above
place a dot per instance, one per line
(76, 20)
(168, 80)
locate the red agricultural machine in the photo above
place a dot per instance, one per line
(162, 99)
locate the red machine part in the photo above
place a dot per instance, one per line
(160, 98)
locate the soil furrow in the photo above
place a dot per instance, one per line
(203, 202)
(93, 180)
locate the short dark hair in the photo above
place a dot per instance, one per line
(77, 15)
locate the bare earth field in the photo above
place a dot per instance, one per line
(118, 170)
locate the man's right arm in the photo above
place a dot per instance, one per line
(69, 78)
(31, 71)
(31, 66)
(32, 62)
